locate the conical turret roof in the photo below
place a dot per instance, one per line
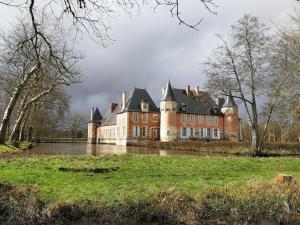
(97, 117)
(168, 94)
(229, 101)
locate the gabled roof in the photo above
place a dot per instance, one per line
(110, 118)
(168, 94)
(201, 104)
(97, 117)
(133, 102)
(229, 101)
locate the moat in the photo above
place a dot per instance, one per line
(104, 149)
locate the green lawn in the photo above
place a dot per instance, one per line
(138, 177)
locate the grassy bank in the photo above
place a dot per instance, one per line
(11, 148)
(161, 190)
(223, 147)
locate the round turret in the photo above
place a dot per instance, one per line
(231, 119)
(168, 107)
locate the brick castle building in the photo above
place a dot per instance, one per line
(183, 114)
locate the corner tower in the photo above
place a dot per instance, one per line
(168, 107)
(93, 124)
(231, 119)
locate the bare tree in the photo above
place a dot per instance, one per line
(74, 123)
(255, 64)
(239, 66)
(32, 74)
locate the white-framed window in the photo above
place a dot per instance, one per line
(145, 117)
(144, 131)
(216, 133)
(202, 132)
(154, 117)
(183, 132)
(200, 119)
(184, 118)
(192, 132)
(135, 116)
(145, 105)
(208, 132)
(192, 118)
(208, 120)
(135, 131)
(215, 120)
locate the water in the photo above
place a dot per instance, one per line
(102, 149)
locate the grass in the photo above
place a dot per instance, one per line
(139, 177)
(8, 149)
(162, 190)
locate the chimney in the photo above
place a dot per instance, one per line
(123, 100)
(113, 106)
(187, 90)
(92, 113)
(197, 91)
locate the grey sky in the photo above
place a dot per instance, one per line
(151, 48)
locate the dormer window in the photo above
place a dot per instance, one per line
(144, 105)
(183, 107)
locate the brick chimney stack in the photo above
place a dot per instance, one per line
(113, 106)
(188, 90)
(123, 100)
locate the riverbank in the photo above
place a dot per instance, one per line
(223, 147)
(131, 189)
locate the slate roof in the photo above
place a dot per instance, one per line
(97, 117)
(110, 118)
(168, 93)
(132, 105)
(202, 104)
(133, 102)
(229, 101)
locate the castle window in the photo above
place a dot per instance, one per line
(192, 132)
(183, 132)
(144, 131)
(145, 105)
(145, 118)
(200, 119)
(192, 118)
(184, 118)
(183, 107)
(208, 120)
(154, 118)
(215, 120)
(135, 116)
(208, 132)
(216, 133)
(202, 132)
(135, 131)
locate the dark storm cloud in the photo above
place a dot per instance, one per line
(151, 48)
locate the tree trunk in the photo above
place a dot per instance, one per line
(11, 105)
(255, 147)
(7, 115)
(22, 128)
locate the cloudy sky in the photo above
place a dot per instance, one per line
(150, 48)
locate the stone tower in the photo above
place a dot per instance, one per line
(93, 125)
(168, 107)
(231, 119)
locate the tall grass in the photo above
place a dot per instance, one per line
(20, 205)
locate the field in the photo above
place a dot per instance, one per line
(127, 185)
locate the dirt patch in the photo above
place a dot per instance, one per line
(90, 170)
